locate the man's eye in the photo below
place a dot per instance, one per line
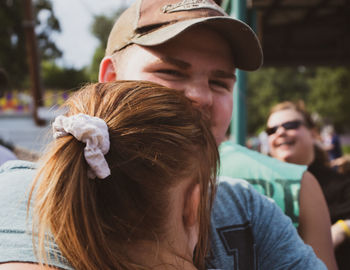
(217, 84)
(171, 72)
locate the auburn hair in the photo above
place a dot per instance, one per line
(157, 138)
(299, 107)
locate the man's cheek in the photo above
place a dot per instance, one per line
(227, 107)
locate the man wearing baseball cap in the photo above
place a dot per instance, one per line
(194, 47)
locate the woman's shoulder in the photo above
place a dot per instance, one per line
(15, 176)
(12, 165)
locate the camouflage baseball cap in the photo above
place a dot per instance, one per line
(153, 22)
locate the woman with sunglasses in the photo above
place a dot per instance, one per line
(289, 186)
(291, 134)
(293, 138)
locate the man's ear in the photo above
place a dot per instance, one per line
(190, 212)
(107, 71)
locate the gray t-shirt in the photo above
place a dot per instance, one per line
(248, 230)
(15, 229)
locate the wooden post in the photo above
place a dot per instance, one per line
(33, 62)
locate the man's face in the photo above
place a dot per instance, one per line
(198, 62)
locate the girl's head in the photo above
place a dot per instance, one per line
(162, 159)
(291, 133)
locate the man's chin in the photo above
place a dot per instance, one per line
(219, 141)
(219, 138)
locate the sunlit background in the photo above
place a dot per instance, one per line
(76, 17)
(71, 37)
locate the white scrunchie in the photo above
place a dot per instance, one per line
(90, 130)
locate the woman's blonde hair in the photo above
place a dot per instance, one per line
(157, 138)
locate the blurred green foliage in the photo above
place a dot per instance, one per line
(269, 86)
(95, 64)
(100, 28)
(56, 77)
(325, 91)
(330, 95)
(13, 57)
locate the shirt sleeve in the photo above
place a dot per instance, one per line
(16, 240)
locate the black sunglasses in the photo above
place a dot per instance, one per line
(287, 125)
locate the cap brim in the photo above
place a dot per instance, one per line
(245, 45)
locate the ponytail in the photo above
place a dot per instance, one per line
(156, 139)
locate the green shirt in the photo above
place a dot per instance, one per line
(277, 180)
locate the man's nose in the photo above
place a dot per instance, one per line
(200, 94)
